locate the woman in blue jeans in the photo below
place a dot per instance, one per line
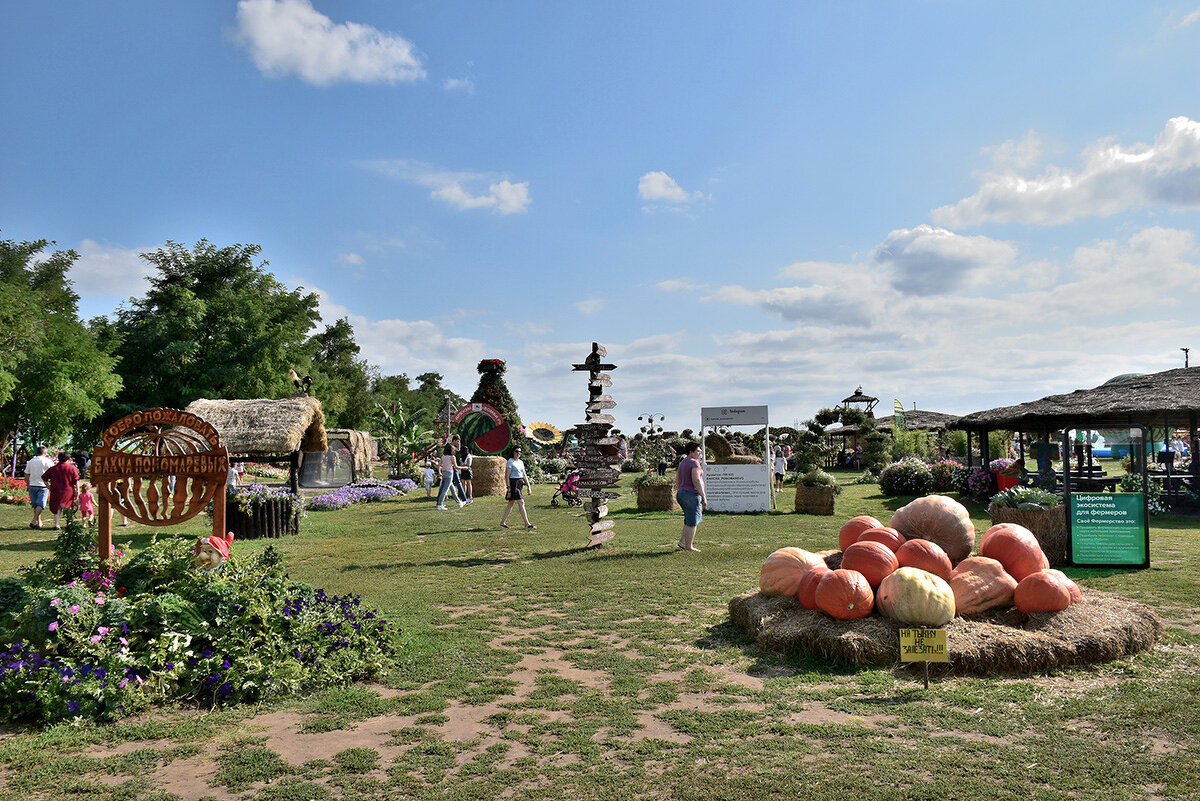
(449, 470)
(691, 495)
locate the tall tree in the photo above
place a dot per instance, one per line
(54, 374)
(341, 380)
(213, 324)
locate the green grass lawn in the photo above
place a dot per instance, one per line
(533, 669)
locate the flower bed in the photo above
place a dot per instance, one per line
(13, 490)
(171, 633)
(368, 491)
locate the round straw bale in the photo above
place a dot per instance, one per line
(1101, 628)
(1048, 525)
(488, 475)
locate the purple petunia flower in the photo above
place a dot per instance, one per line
(53, 626)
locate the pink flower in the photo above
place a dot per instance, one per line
(102, 630)
(123, 641)
(54, 602)
(100, 599)
(96, 638)
(53, 626)
(74, 609)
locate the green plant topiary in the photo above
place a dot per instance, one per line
(819, 478)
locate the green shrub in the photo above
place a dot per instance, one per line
(1026, 498)
(819, 478)
(652, 480)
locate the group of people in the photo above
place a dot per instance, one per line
(56, 485)
(456, 475)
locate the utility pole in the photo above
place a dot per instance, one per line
(1185, 356)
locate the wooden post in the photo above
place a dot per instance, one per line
(219, 513)
(104, 529)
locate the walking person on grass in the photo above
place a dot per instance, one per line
(518, 480)
(690, 495)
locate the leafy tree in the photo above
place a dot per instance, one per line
(213, 324)
(54, 373)
(341, 380)
(404, 435)
(429, 396)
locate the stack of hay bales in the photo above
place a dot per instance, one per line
(488, 476)
(1049, 526)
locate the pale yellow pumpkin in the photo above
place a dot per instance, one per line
(782, 571)
(915, 597)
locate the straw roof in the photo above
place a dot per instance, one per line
(1169, 398)
(360, 447)
(1101, 628)
(266, 427)
(914, 420)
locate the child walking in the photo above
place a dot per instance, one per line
(427, 479)
(87, 503)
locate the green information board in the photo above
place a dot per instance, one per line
(1109, 529)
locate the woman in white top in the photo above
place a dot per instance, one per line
(449, 470)
(518, 479)
(466, 474)
(780, 467)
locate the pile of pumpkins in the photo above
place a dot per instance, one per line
(917, 570)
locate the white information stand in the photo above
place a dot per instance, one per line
(737, 487)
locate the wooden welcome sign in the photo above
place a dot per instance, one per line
(159, 467)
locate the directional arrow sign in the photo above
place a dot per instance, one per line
(597, 404)
(593, 417)
(603, 525)
(596, 540)
(596, 511)
(600, 380)
(592, 367)
(595, 493)
(601, 483)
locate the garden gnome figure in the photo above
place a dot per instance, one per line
(211, 553)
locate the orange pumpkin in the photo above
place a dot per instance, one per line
(844, 594)
(980, 584)
(1041, 592)
(925, 555)
(940, 519)
(888, 536)
(1072, 588)
(873, 559)
(807, 594)
(1017, 550)
(782, 571)
(1017, 527)
(853, 527)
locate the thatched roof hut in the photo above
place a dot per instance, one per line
(266, 427)
(1170, 398)
(359, 445)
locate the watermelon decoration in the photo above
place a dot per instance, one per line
(482, 428)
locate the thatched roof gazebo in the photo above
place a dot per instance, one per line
(914, 419)
(1170, 399)
(272, 431)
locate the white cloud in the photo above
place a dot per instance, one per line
(590, 305)
(290, 37)
(462, 190)
(110, 270)
(459, 85)
(1016, 154)
(351, 258)
(674, 285)
(930, 260)
(658, 187)
(1189, 19)
(1113, 179)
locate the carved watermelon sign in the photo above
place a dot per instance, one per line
(482, 427)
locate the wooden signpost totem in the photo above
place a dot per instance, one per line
(158, 467)
(598, 451)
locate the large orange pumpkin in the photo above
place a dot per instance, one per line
(853, 527)
(980, 584)
(783, 569)
(888, 536)
(1041, 592)
(807, 594)
(1017, 527)
(873, 559)
(844, 594)
(915, 597)
(925, 555)
(940, 519)
(1072, 588)
(1018, 550)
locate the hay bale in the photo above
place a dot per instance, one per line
(814, 500)
(657, 499)
(488, 476)
(1101, 628)
(1048, 525)
(720, 447)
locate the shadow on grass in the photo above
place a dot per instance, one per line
(483, 561)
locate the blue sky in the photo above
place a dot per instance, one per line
(957, 204)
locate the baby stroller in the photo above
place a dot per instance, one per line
(569, 490)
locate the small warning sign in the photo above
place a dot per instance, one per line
(923, 645)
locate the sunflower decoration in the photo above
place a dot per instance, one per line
(543, 434)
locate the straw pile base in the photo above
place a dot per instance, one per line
(488, 476)
(660, 499)
(1048, 525)
(1101, 628)
(814, 500)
